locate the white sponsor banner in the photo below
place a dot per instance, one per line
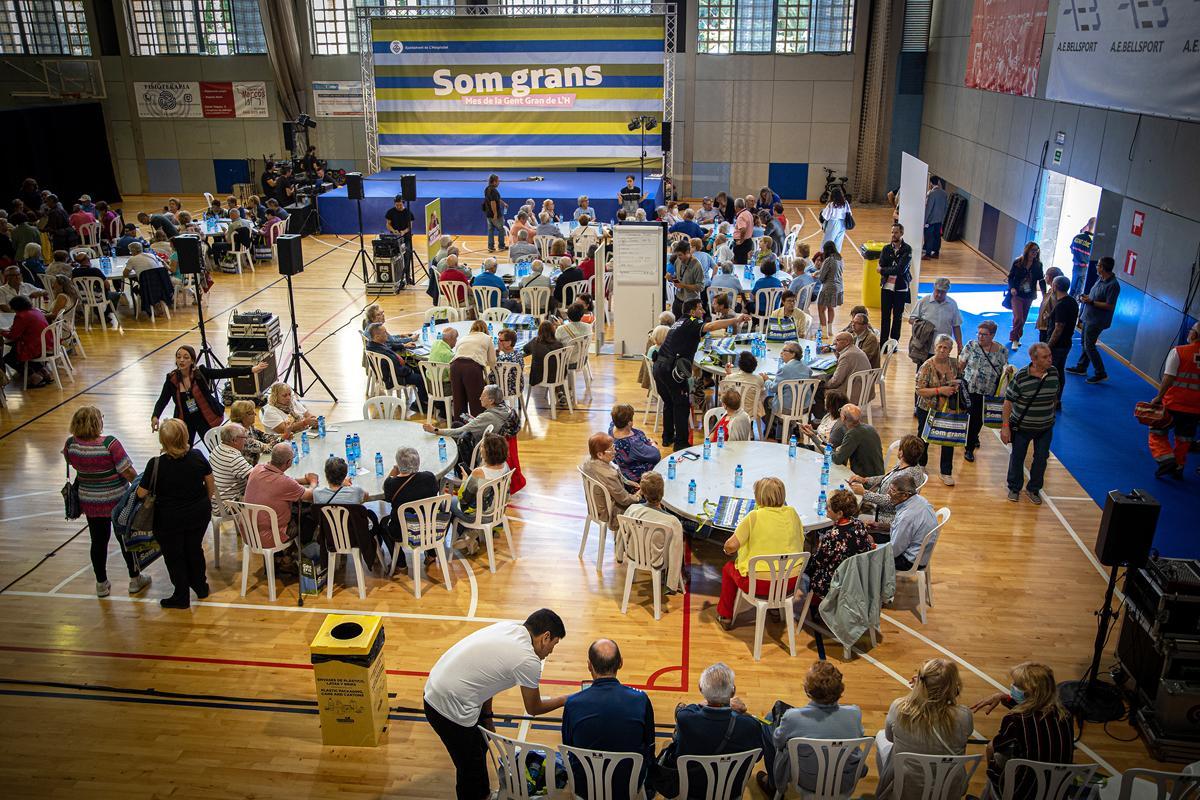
(250, 99)
(1142, 57)
(337, 98)
(169, 99)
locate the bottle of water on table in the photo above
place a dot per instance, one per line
(442, 448)
(321, 426)
(821, 501)
(818, 340)
(379, 465)
(737, 477)
(349, 448)
(304, 442)
(792, 447)
(295, 452)
(692, 491)
(720, 438)
(357, 448)
(707, 448)
(671, 468)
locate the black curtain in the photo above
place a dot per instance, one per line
(63, 147)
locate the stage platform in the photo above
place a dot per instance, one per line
(461, 192)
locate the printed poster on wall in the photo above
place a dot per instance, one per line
(1006, 46)
(433, 230)
(1142, 57)
(337, 98)
(205, 99)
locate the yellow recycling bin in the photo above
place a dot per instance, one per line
(870, 280)
(347, 659)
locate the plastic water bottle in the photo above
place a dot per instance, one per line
(828, 454)
(321, 426)
(357, 448)
(439, 336)
(818, 340)
(490, 329)
(692, 491)
(807, 355)
(424, 331)
(379, 465)
(106, 265)
(729, 331)
(349, 448)
(295, 452)
(821, 501)
(792, 447)
(708, 341)
(442, 448)
(304, 442)
(737, 477)
(749, 272)
(825, 474)
(707, 449)
(671, 468)
(720, 438)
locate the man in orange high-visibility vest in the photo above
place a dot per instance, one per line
(1180, 394)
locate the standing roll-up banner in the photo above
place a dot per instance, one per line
(1142, 57)
(914, 184)
(639, 259)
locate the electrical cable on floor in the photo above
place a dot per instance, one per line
(43, 560)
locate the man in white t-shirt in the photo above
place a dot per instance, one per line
(461, 685)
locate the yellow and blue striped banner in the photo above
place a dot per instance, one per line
(512, 91)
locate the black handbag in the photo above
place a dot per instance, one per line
(849, 222)
(72, 506)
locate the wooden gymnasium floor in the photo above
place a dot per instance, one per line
(1011, 583)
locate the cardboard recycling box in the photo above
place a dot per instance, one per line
(347, 659)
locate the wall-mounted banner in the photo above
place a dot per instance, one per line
(1142, 57)
(337, 98)
(433, 230)
(494, 92)
(1006, 45)
(195, 100)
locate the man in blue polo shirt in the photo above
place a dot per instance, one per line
(688, 226)
(488, 277)
(609, 716)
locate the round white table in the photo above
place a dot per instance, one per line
(767, 367)
(375, 435)
(714, 478)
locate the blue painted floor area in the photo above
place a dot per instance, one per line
(1096, 436)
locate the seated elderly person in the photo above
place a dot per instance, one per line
(865, 338)
(339, 489)
(825, 717)
(13, 286)
(791, 368)
(771, 528)
(636, 454)
(521, 246)
(537, 278)
(230, 468)
(913, 520)
(488, 277)
(407, 483)
(129, 235)
(284, 414)
(493, 463)
(848, 537)
(257, 441)
(574, 327)
(718, 725)
(140, 262)
(599, 467)
(860, 445)
(378, 342)
(83, 268)
(442, 350)
(734, 425)
(745, 376)
(25, 339)
(569, 273)
(874, 489)
(547, 227)
(651, 510)
(270, 485)
(800, 321)
(503, 420)
(585, 236)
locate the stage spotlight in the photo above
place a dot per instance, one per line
(635, 123)
(304, 120)
(650, 122)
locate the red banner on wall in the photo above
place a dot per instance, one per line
(216, 99)
(1006, 46)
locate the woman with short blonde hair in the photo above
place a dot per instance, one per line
(182, 483)
(283, 413)
(257, 441)
(772, 527)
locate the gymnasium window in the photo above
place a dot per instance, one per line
(43, 28)
(775, 26)
(539, 7)
(195, 27)
(334, 23)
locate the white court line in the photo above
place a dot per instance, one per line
(470, 579)
(278, 609)
(548, 498)
(27, 494)
(73, 576)
(31, 516)
(848, 238)
(523, 730)
(1059, 497)
(1092, 754)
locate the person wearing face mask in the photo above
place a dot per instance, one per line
(673, 369)
(191, 386)
(1037, 727)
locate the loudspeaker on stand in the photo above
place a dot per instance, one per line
(408, 187)
(1127, 528)
(291, 257)
(187, 246)
(354, 186)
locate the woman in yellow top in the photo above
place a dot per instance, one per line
(772, 527)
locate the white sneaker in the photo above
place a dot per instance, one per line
(103, 588)
(947, 479)
(138, 583)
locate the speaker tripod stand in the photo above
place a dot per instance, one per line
(206, 356)
(360, 258)
(293, 372)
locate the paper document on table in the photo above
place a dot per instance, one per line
(822, 363)
(730, 510)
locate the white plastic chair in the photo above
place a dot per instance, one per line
(510, 373)
(599, 770)
(135, 296)
(449, 313)
(71, 338)
(437, 386)
(893, 449)
(245, 519)
(242, 255)
(579, 363)
(832, 757)
(424, 531)
(496, 313)
(486, 298)
(1167, 785)
(644, 543)
(711, 418)
(51, 353)
(780, 568)
(1054, 781)
(804, 297)
(653, 401)
(535, 300)
(886, 351)
(544, 243)
(212, 440)
(271, 233)
(491, 510)
(554, 377)
(93, 298)
(478, 448)
(338, 518)
(454, 294)
(725, 776)
(752, 403)
(508, 763)
(860, 386)
(767, 299)
(385, 406)
(795, 404)
(380, 369)
(595, 494)
(715, 291)
(922, 575)
(89, 235)
(942, 777)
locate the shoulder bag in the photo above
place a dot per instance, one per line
(848, 221)
(70, 491)
(143, 518)
(1015, 424)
